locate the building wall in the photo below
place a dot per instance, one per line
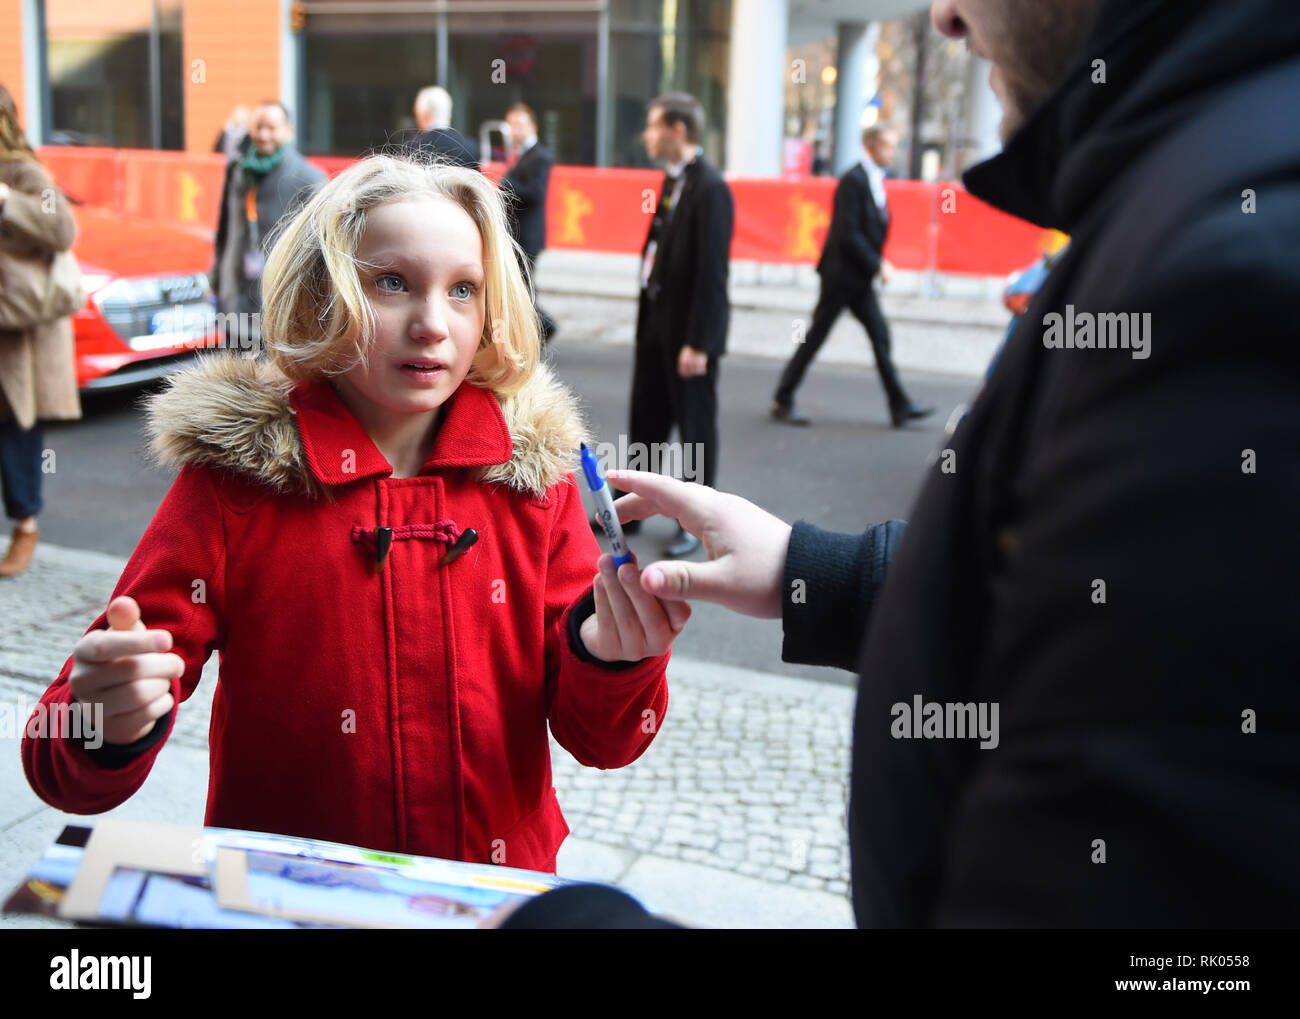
(232, 57)
(11, 53)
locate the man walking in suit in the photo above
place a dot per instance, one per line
(851, 259)
(525, 183)
(437, 137)
(682, 314)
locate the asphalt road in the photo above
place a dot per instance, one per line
(846, 472)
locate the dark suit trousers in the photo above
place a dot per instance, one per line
(866, 309)
(661, 398)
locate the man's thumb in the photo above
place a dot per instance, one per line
(676, 581)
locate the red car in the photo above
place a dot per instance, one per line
(149, 303)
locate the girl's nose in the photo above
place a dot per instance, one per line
(430, 321)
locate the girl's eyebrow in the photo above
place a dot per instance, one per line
(387, 260)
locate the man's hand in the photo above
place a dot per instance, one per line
(886, 271)
(746, 545)
(630, 623)
(692, 363)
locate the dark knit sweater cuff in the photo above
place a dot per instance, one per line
(828, 590)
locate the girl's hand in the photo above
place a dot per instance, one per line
(123, 668)
(630, 623)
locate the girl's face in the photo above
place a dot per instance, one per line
(424, 281)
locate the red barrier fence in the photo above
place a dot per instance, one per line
(935, 226)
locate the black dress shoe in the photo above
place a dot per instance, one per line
(684, 543)
(911, 412)
(788, 414)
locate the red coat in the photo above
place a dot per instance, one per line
(404, 709)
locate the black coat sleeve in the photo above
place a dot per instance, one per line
(706, 321)
(830, 584)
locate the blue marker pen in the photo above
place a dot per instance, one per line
(605, 507)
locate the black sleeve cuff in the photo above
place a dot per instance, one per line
(584, 907)
(585, 608)
(114, 756)
(829, 587)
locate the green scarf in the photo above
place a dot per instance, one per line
(257, 166)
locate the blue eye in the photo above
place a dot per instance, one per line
(469, 289)
(388, 276)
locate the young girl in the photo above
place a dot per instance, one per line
(378, 529)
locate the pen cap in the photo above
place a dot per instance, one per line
(591, 468)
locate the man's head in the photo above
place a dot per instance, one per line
(269, 126)
(432, 108)
(673, 126)
(523, 123)
(1029, 43)
(881, 144)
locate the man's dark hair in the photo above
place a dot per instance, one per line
(523, 108)
(681, 108)
(279, 105)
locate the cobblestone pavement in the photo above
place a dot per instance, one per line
(748, 775)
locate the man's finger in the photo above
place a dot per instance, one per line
(634, 507)
(669, 496)
(678, 613)
(681, 581)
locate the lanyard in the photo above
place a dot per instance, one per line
(250, 211)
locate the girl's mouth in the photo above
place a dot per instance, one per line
(424, 367)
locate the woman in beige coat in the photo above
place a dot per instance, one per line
(38, 378)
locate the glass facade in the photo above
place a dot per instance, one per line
(361, 73)
(659, 46)
(115, 74)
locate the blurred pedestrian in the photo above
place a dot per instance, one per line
(682, 314)
(269, 183)
(852, 257)
(526, 183)
(433, 106)
(233, 141)
(38, 377)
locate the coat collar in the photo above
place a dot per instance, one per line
(472, 433)
(243, 416)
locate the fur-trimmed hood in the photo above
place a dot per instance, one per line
(237, 414)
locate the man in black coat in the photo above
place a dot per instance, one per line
(436, 136)
(683, 311)
(525, 185)
(852, 257)
(1106, 548)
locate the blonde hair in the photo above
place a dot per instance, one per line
(316, 319)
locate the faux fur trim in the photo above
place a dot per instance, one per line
(234, 413)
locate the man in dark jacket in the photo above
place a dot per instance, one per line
(525, 185)
(1106, 550)
(269, 183)
(683, 311)
(852, 258)
(436, 136)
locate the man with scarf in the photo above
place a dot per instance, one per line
(270, 182)
(1106, 547)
